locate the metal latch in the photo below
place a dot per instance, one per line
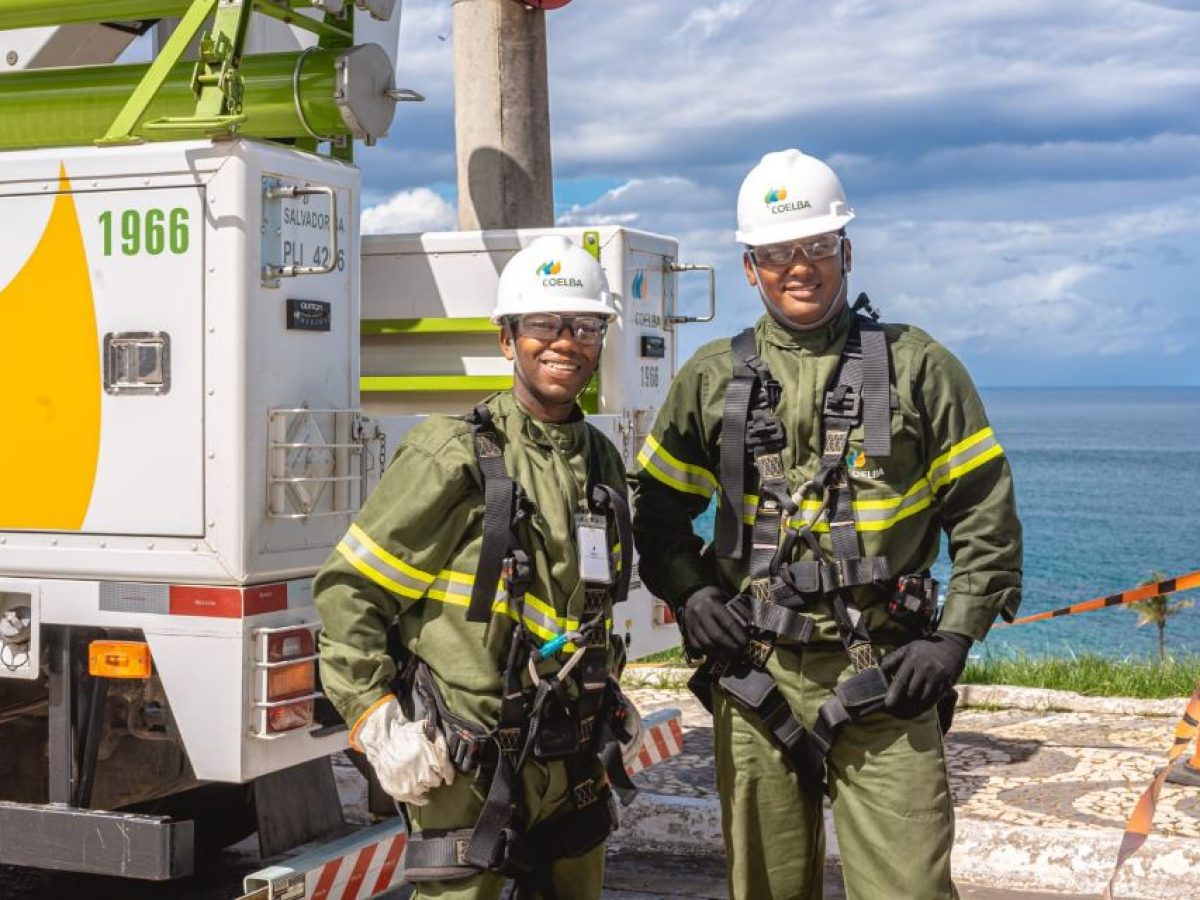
(137, 362)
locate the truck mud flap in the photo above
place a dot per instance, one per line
(131, 845)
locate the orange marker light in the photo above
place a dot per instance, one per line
(296, 680)
(119, 659)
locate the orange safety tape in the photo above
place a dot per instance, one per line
(1133, 595)
(1141, 821)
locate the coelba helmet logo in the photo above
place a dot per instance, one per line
(638, 289)
(775, 200)
(552, 267)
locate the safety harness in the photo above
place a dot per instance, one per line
(541, 721)
(780, 588)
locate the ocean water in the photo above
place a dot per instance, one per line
(1108, 490)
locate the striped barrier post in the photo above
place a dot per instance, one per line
(663, 739)
(370, 861)
(1186, 772)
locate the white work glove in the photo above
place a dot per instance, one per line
(407, 763)
(636, 730)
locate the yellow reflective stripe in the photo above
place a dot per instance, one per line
(964, 456)
(374, 575)
(674, 473)
(871, 515)
(540, 618)
(749, 508)
(388, 566)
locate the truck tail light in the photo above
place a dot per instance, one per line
(287, 680)
(290, 717)
(292, 644)
(295, 680)
(119, 659)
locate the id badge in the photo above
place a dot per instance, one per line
(592, 540)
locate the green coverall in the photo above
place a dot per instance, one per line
(887, 777)
(410, 558)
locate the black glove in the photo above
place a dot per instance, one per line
(922, 671)
(709, 627)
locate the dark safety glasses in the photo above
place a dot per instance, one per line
(587, 330)
(822, 246)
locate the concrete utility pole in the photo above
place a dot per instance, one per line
(501, 116)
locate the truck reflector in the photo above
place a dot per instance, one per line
(119, 659)
(291, 681)
(290, 717)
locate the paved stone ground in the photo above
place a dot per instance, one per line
(1020, 770)
(1018, 767)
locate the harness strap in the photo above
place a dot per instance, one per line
(769, 616)
(605, 498)
(858, 696)
(437, 855)
(729, 537)
(812, 576)
(501, 496)
(876, 388)
(755, 690)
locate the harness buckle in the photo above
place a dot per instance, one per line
(516, 572)
(460, 851)
(763, 429)
(843, 402)
(772, 390)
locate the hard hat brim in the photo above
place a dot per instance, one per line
(792, 231)
(579, 305)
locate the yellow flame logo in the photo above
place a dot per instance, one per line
(49, 380)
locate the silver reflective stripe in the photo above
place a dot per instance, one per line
(963, 457)
(455, 588)
(864, 511)
(393, 573)
(673, 473)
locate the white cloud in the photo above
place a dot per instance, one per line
(706, 21)
(419, 209)
(1026, 175)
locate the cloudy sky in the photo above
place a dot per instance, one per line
(1026, 173)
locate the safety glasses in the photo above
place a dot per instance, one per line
(587, 330)
(820, 247)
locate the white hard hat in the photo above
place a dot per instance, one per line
(787, 196)
(552, 275)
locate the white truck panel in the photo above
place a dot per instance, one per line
(192, 461)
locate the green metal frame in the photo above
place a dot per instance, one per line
(589, 398)
(437, 383)
(121, 130)
(428, 326)
(216, 79)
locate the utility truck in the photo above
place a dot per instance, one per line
(203, 367)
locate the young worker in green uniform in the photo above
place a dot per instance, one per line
(839, 449)
(492, 551)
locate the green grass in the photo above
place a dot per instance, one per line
(672, 656)
(1092, 676)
